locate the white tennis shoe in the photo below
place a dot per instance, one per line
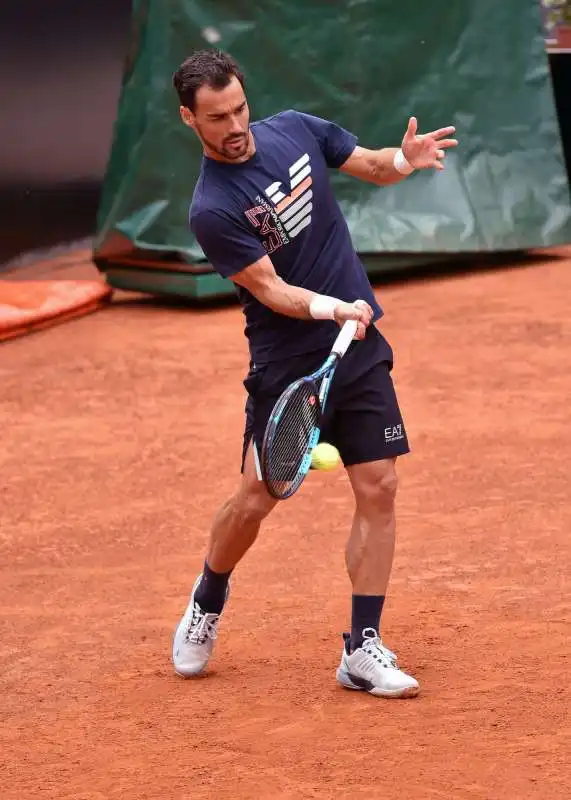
(194, 638)
(373, 668)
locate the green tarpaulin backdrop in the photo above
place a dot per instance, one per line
(368, 65)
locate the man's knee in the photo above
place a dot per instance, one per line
(252, 507)
(375, 484)
(252, 502)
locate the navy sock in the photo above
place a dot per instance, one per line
(366, 613)
(211, 592)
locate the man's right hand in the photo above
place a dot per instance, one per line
(359, 310)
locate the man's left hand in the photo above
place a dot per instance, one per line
(423, 151)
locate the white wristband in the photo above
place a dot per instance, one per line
(401, 164)
(323, 307)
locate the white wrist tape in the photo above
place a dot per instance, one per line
(323, 307)
(401, 164)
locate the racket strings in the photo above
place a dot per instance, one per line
(299, 419)
(292, 436)
(285, 445)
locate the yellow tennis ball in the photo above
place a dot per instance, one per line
(324, 456)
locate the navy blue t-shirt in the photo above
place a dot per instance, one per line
(280, 203)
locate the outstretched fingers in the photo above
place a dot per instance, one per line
(412, 128)
(443, 132)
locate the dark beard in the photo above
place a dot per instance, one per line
(221, 151)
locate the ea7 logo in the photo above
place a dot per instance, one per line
(294, 209)
(261, 219)
(394, 433)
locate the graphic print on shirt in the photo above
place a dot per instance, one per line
(288, 214)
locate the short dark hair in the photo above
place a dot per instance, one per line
(212, 68)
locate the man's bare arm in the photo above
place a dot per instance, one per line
(262, 281)
(373, 166)
(392, 164)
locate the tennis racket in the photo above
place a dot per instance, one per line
(294, 425)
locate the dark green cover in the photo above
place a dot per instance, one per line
(478, 64)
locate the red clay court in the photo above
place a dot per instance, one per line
(122, 434)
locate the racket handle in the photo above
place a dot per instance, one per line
(344, 338)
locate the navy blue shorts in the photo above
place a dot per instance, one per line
(362, 415)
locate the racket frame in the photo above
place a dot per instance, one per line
(325, 373)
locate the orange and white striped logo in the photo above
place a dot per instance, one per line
(294, 209)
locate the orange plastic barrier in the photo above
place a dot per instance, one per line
(28, 305)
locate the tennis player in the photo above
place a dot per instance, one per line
(265, 215)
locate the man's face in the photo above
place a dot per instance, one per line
(221, 119)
